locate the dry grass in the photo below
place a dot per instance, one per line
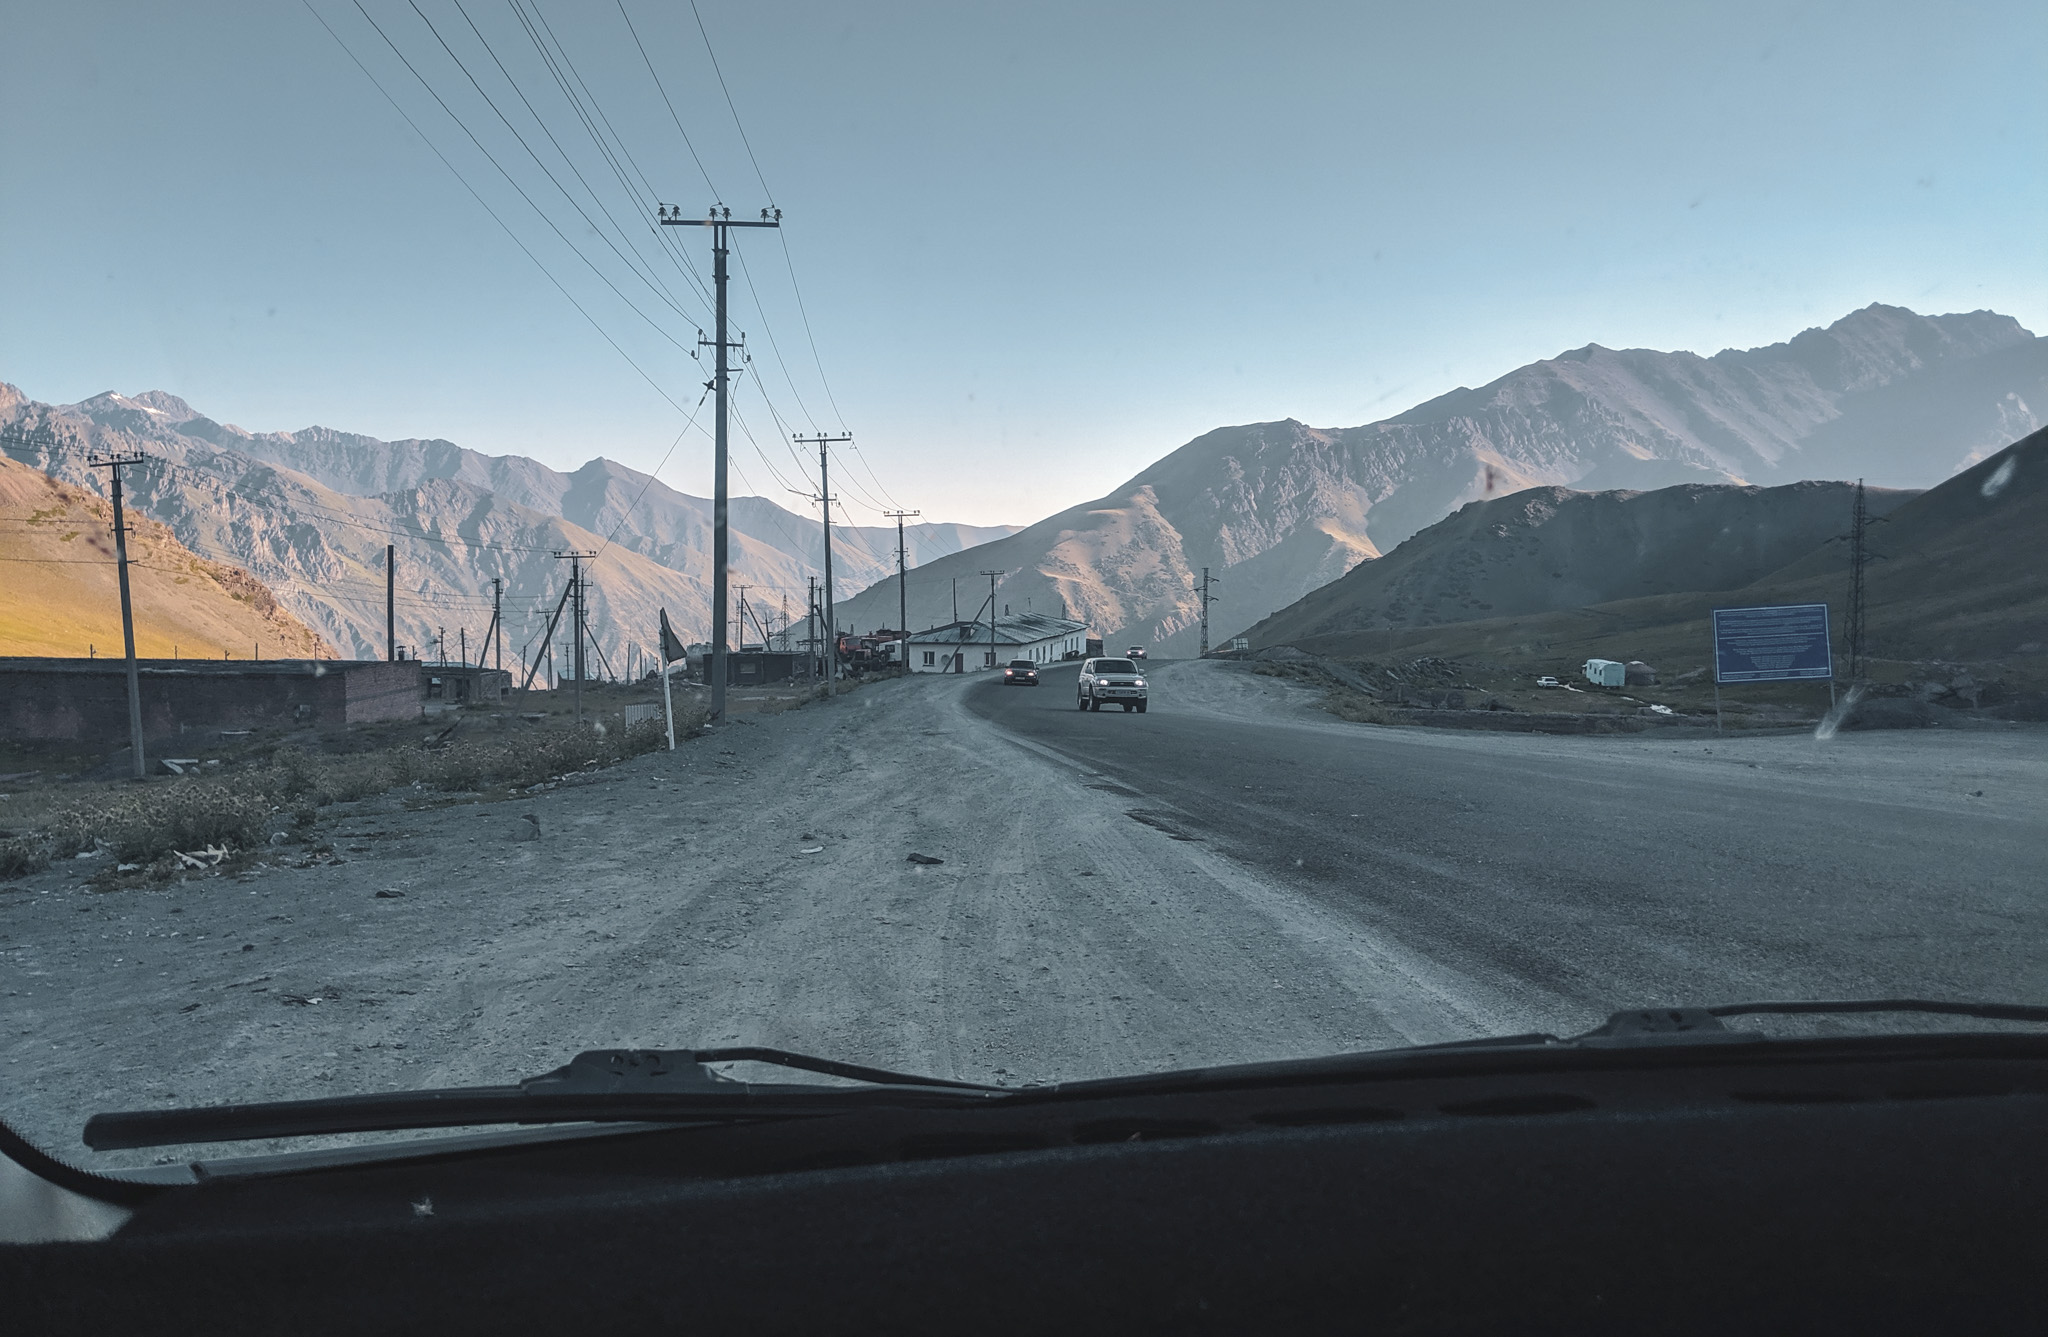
(145, 824)
(1356, 707)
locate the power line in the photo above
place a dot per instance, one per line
(524, 248)
(728, 103)
(670, 105)
(557, 60)
(660, 288)
(537, 162)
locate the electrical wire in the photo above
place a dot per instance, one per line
(602, 276)
(665, 101)
(435, 149)
(728, 101)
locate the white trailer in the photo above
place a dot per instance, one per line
(1606, 672)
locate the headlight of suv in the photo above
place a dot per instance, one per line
(1138, 682)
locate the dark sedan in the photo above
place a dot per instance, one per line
(1020, 673)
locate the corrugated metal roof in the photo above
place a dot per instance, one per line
(1016, 629)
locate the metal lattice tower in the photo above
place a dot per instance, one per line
(1858, 557)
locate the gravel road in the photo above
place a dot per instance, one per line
(1117, 893)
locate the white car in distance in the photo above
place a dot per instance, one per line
(1547, 681)
(1114, 682)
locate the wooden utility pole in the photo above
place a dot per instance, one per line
(721, 222)
(112, 464)
(993, 576)
(390, 601)
(575, 560)
(547, 639)
(825, 500)
(902, 589)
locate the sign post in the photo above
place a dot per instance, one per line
(1780, 643)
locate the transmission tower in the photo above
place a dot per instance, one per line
(1207, 599)
(1859, 557)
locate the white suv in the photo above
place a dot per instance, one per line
(1113, 682)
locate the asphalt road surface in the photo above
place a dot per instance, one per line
(1569, 875)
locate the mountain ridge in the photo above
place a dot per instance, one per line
(1275, 509)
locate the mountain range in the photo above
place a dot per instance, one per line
(309, 514)
(1272, 510)
(1275, 510)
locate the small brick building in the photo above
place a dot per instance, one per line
(86, 700)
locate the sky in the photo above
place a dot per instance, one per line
(1027, 249)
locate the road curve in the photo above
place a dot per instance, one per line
(1579, 874)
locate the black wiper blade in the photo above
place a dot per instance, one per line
(600, 1085)
(1986, 1011)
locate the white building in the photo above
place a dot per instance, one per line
(964, 647)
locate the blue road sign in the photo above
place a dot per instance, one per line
(1788, 642)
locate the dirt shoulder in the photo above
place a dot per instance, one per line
(751, 887)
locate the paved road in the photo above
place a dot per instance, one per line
(1575, 873)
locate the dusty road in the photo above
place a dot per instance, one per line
(754, 887)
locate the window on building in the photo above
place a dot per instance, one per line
(988, 659)
(928, 658)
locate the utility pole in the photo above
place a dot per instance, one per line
(390, 602)
(811, 629)
(112, 464)
(825, 500)
(902, 590)
(992, 577)
(497, 620)
(441, 645)
(1858, 558)
(739, 620)
(575, 560)
(720, 221)
(1206, 601)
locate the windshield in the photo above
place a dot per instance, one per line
(512, 516)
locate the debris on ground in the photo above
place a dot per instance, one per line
(924, 859)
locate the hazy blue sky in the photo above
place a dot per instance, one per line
(1040, 244)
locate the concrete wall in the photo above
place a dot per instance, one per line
(86, 700)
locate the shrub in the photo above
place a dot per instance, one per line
(1356, 707)
(19, 858)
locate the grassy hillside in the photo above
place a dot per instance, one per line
(59, 592)
(1959, 575)
(1551, 549)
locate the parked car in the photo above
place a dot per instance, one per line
(1020, 673)
(1112, 681)
(1136, 652)
(1547, 681)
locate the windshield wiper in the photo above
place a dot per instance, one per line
(675, 1086)
(600, 1085)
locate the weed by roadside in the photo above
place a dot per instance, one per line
(1355, 707)
(145, 825)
